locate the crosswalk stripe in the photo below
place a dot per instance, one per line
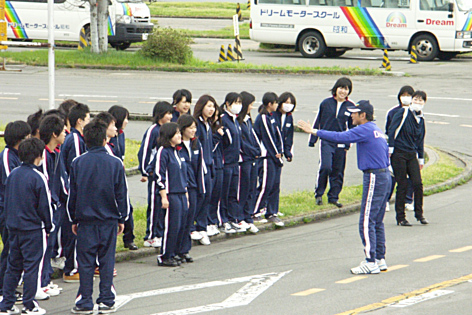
(308, 292)
(460, 250)
(351, 279)
(429, 258)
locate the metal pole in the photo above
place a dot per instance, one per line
(51, 59)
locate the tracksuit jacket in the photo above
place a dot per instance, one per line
(33, 210)
(98, 189)
(55, 171)
(287, 132)
(8, 161)
(231, 139)
(270, 137)
(118, 145)
(73, 146)
(205, 135)
(250, 146)
(169, 164)
(390, 114)
(145, 154)
(195, 165)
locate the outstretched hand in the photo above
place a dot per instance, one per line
(305, 126)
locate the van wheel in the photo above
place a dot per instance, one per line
(312, 45)
(426, 47)
(334, 53)
(120, 46)
(445, 56)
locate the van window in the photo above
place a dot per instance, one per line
(291, 2)
(434, 5)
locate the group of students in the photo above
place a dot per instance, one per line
(213, 168)
(63, 193)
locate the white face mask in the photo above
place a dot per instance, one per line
(406, 100)
(287, 107)
(236, 108)
(416, 107)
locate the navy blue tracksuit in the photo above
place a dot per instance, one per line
(270, 166)
(231, 145)
(29, 217)
(8, 161)
(169, 161)
(214, 216)
(98, 201)
(285, 123)
(372, 159)
(73, 146)
(332, 155)
(192, 153)
(250, 149)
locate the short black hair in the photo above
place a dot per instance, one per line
(184, 122)
(180, 94)
(15, 132)
(30, 149)
(285, 96)
(95, 133)
(160, 110)
(342, 82)
(66, 106)
(120, 113)
(51, 124)
(33, 121)
(166, 133)
(231, 98)
(78, 111)
(421, 94)
(55, 112)
(405, 89)
(269, 97)
(369, 116)
(105, 117)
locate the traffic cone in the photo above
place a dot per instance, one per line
(229, 53)
(237, 49)
(222, 57)
(386, 61)
(248, 5)
(238, 12)
(82, 40)
(413, 55)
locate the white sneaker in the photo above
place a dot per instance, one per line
(252, 228)
(366, 267)
(238, 228)
(259, 219)
(243, 225)
(154, 242)
(387, 207)
(274, 219)
(382, 264)
(41, 295)
(280, 214)
(212, 230)
(409, 206)
(205, 240)
(35, 311)
(51, 292)
(229, 229)
(58, 263)
(51, 285)
(13, 310)
(196, 236)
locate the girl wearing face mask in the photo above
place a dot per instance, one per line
(404, 100)
(231, 145)
(406, 146)
(270, 163)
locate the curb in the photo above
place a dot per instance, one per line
(462, 178)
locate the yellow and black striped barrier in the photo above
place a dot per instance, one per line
(386, 61)
(82, 40)
(248, 5)
(3, 34)
(229, 53)
(238, 12)
(237, 49)
(413, 55)
(222, 57)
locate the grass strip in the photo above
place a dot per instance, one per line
(226, 32)
(197, 9)
(122, 60)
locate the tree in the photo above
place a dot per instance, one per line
(99, 25)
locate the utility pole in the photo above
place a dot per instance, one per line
(94, 26)
(103, 25)
(51, 57)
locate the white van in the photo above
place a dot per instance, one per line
(438, 28)
(129, 21)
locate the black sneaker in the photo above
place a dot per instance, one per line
(185, 258)
(337, 204)
(105, 309)
(276, 221)
(81, 310)
(171, 262)
(13, 310)
(319, 201)
(131, 246)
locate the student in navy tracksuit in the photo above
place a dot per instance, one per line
(29, 218)
(181, 101)
(191, 150)
(372, 159)
(121, 115)
(73, 146)
(231, 142)
(15, 132)
(404, 100)
(250, 152)
(332, 116)
(283, 117)
(173, 197)
(52, 132)
(214, 216)
(162, 113)
(205, 114)
(98, 206)
(270, 164)
(406, 146)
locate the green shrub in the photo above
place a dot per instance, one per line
(168, 45)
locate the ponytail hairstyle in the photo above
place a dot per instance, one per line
(285, 96)
(166, 133)
(216, 123)
(231, 98)
(184, 122)
(247, 99)
(268, 98)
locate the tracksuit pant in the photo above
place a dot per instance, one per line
(154, 214)
(128, 233)
(229, 207)
(331, 167)
(69, 242)
(58, 217)
(187, 222)
(214, 216)
(174, 219)
(203, 205)
(376, 186)
(268, 190)
(5, 250)
(409, 190)
(247, 190)
(96, 242)
(27, 249)
(406, 164)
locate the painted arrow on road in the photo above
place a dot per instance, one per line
(255, 286)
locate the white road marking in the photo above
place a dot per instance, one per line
(256, 285)
(161, 98)
(420, 298)
(441, 115)
(86, 95)
(442, 98)
(438, 122)
(9, 93)
(468, 126)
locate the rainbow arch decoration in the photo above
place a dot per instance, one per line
(14, 21)
(365, 27)
(468, 23)
(396, 17)
(126, 9)
(111, 31)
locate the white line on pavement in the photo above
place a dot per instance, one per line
(421, 298)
